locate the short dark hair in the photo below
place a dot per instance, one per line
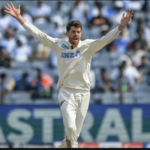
(74, 23)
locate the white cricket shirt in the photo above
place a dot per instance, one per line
(73, 64)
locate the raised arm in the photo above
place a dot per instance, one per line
(15, 13)
(125, 20)
(30, 28)
(110, 36)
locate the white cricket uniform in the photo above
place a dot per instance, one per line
(74, 76)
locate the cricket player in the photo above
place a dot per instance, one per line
(74, 61)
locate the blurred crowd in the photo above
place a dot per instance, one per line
(121, 67)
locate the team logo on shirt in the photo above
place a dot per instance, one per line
(64, 46)
(71, 55)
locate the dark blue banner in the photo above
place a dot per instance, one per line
(43, 124)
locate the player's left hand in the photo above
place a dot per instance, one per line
(126, 18)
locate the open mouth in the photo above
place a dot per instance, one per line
(75, 39)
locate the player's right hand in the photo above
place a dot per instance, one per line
(12, 10)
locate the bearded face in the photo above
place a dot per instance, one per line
(74, 35)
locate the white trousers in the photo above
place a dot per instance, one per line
(74, 106)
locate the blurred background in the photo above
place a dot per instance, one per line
(118, 114)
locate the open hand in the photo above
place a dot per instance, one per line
(126, 18)
(12, 10)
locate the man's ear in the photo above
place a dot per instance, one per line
(67, 33)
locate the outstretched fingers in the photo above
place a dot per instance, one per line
(6, 8)
(128, 13)
(6, 11)
(123, 15)
(19, 7)
(131, 14)
(9, 6)
(12, 5)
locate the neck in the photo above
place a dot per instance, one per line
(74, 46)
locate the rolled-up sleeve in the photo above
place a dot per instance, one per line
(41, 36)
(98, 44)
